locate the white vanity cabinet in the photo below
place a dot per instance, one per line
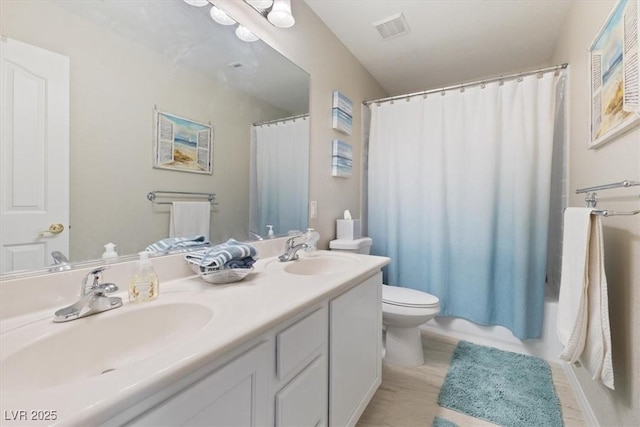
(236, 394)
(319, 368)
(355, 351)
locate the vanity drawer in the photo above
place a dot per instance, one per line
(296, 345)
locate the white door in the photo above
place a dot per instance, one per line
(34, 147)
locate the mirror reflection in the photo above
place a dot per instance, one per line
(84, 80)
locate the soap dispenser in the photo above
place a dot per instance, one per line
(311, 238)
(109, 254)
(143, 285)
(270, 234)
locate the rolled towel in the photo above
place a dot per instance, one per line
(245, 262)
(173, 243)
(219, 255)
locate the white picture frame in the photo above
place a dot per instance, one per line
(182, 144)
(614, 61)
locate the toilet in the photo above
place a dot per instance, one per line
(403, 311)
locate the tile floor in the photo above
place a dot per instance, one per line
(408, 396)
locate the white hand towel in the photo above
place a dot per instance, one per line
(572, 311)
(583, 310)
(596, 356)
(189, 219)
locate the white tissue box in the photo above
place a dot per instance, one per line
(348, 229)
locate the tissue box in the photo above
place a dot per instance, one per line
(348, 229)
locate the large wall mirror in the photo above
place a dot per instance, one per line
(124, 61)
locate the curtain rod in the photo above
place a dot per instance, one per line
(284, 119)
(466, 85)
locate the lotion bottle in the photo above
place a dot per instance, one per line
(143, 285)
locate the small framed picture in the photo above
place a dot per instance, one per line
(615, 64)
(182, 144)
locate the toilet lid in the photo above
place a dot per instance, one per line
(406, 297)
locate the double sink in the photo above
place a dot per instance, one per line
(41, 354)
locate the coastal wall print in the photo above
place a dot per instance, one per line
(615, 64)
(342, 159)
(181, 144)
(342, 113)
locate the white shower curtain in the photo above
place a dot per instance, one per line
(280, 176)
(459, 198)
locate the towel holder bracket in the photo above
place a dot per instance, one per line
(153, 195)
(592, 197)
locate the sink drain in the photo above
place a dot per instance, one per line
(107, 370)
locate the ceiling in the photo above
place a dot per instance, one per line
(449, 42)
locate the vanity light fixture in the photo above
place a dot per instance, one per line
(197, 3)
(222, 18)
(245, 35)
(278, 12)
(261, 4)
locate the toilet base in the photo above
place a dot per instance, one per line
(403, 346)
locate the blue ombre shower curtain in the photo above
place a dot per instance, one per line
(458, 197)
(279, 178)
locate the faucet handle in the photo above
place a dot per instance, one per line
(105, 288)
(291, 240)
(96, 275)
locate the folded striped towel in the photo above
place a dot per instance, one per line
(246, 262)
(217, 256)
(173, 243)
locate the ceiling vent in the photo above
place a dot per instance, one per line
(392, 26)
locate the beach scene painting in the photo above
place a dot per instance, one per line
(614, 75)
(182, 144)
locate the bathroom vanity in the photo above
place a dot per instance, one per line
(294, 344)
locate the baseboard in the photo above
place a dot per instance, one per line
(585, 407)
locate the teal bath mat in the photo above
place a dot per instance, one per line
(441, 422)
(509, 389)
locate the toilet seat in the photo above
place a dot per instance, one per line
(405, 297)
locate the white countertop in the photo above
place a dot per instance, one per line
(241, 311)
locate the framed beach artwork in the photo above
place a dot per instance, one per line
(615, 64)
(182, 144)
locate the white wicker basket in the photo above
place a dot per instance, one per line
(213, 275)
(227, 275)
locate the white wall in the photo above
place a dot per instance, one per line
(613, 162)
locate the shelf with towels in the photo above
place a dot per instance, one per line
(592, 197)
(153, 195)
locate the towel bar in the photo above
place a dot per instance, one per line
(592, 197)
(211, 197)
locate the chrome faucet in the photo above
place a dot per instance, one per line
(291, 249)
(60, 262)
(93, 298)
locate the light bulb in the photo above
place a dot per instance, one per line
(245, 35)
(198, 3)
(220, 17)
(280, 14)
(261, 4)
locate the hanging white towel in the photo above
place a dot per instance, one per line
(189, 219)
(583, 311)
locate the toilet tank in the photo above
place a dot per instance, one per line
(357, 246)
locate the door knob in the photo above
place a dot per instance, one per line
(56, 228)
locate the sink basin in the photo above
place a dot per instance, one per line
(319, 266)
(97, 345)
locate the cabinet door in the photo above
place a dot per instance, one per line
(236, 394)
(355, 349)
(303, 401)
